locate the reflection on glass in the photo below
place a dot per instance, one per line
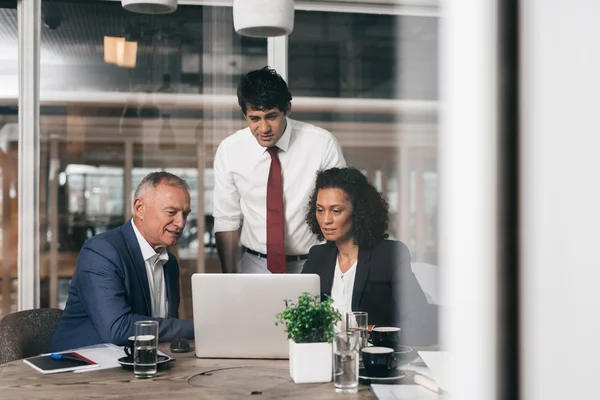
(363, 55)
(95, 196)
(109, 125)
(359, 57)
(193, 50)
(126, 94)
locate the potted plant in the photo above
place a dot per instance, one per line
(309, 325)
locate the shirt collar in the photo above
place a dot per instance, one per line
(148, 252)
(284, 141)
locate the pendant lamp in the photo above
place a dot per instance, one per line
(263, 18)
(150, 6)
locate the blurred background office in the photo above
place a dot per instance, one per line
(475, 118)
(103, 126)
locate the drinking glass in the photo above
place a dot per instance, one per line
(345, 362)
(358, 321)
(144, 353)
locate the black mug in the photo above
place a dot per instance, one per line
(130, 346)
(386, 336)
(380, 362)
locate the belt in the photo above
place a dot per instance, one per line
(287, 258)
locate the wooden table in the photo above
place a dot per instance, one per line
(187, 378)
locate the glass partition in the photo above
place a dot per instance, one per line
(9, 144)
(372, 56)
(124, 94)
(382, 72)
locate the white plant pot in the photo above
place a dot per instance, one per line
(311, 362)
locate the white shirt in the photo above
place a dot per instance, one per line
(241, 172)
(156, 277)
(341, 292)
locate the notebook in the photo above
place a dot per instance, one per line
(47, 365)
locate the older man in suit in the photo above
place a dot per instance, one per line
(127, 274)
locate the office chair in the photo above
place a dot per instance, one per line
(27, 333)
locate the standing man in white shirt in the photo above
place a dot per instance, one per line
(264, 175)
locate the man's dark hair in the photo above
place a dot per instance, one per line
(263, 89)
(370, 210)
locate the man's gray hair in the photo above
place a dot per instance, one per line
(154, 179)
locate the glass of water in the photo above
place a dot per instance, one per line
(145, 347)
(345, 362)
(358, 321)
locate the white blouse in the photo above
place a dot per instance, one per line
(341, 292)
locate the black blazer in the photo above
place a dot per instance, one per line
(384, 286)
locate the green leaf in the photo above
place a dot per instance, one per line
(309, 320)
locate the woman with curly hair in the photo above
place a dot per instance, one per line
(359, 268)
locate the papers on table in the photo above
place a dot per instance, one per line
(403, 392)
(431, 382)
(105, 356)
(438, 363)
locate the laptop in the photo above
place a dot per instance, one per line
(234, 314)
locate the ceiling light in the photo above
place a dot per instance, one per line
(126, 54)
(150, 6)
(263, 18)
(110, 48)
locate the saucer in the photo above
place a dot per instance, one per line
(398, 349)
(161, 361)
(402, 350)
(364, 378)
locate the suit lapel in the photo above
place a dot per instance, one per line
(138, 262)
(363, 269)
(328, 268)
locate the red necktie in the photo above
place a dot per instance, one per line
(275, 217)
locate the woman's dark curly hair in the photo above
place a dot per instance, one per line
(370, 210)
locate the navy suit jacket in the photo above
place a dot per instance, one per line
(109, 292)
(384, 286)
